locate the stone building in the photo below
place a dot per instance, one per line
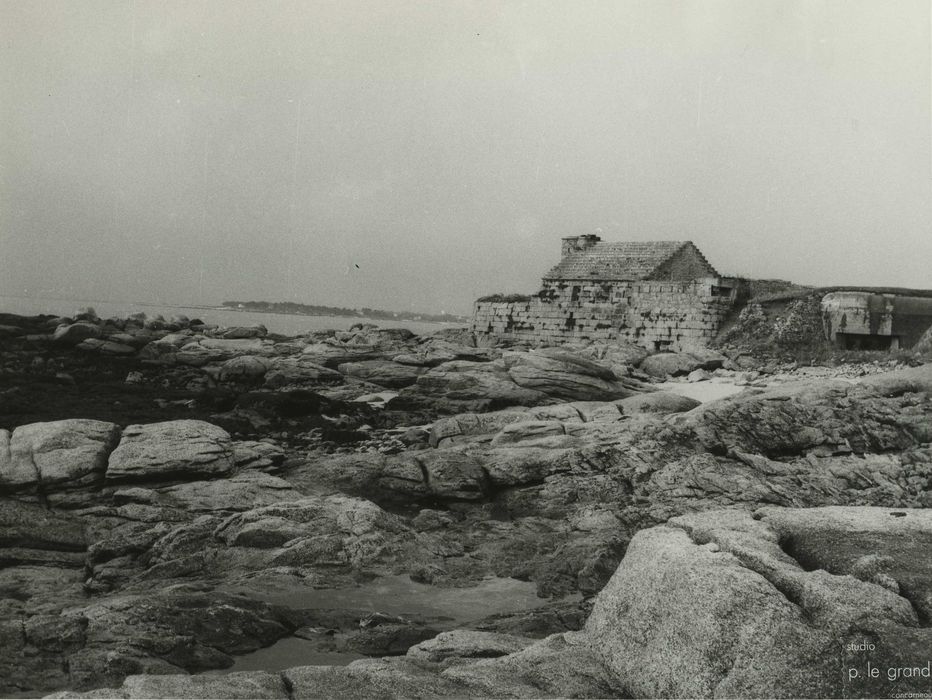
(662, 295)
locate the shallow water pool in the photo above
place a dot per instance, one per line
(399, 595)
(445, 608)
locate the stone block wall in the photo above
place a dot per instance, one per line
(658, 315)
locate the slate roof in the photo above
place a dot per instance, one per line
(627, 260)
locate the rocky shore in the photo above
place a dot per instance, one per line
(175, 497)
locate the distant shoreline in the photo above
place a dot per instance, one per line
(287, 308)
(57, 308)
(326, 315)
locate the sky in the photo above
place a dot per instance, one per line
(416, 155)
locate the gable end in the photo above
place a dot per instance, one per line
(686, 263)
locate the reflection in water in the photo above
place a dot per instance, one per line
(399, 595)
(288, 653)
(446, 608)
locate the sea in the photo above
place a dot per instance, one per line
(285, 324)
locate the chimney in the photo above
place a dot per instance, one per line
(572, 244)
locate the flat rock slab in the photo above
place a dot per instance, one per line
(181, 449)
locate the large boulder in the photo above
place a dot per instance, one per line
(177, 450)
(57, 454)
(711, 605)
(564, 375)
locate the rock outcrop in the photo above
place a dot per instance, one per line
(168, 547)
(713, 605)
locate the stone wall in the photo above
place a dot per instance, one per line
(653, 314)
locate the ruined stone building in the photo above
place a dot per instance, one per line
(657, 294)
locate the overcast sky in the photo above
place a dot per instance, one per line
(415, 155)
